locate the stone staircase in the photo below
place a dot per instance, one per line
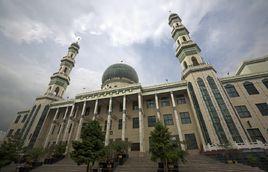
(65, 165)
(202, 163)
(138, 162)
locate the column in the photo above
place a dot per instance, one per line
(68, 125)
(157, 107)
(124, 119)
(51, 127)
(95, 110)
(78, 133)
(63, 124)
(107, 135)
(141, 132)
(69, 137)
(177, 121)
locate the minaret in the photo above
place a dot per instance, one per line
(56, 88)
(187, 51)
(218, 124)
(60, 80)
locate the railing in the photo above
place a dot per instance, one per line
(183, 43)
(252, 145)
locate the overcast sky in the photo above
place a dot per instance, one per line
(35, 35)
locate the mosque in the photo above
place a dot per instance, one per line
(203, 112)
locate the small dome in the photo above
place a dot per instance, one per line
(120, 70)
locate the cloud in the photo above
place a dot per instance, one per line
(26, 30)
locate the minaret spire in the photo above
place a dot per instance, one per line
(60, 79)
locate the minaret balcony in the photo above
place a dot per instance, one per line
(197, 68)
(62, 74)
(184, 43)
(68, 58)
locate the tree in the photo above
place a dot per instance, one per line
(120, 147)
(90, 148)
(34, 154)
(10, 150)
(58, 150)
(163, 148)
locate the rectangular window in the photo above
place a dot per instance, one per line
(150, 103)
(263, 108)
(10, 132)
(87, 111)
(99, 110)
(17, 119)
(135, 147)
(17, 132)
(230, 89)
(105, 125)
(120, 124)
(53, 129)
(190, 141)
(255, 135)
(168, 120)
(135, 122)
(185, 118)
(251, 89)
(165, 101)
(120, 107)
(242, 111)
(135, 106)
(24, 118)
(180, 99)
(151, 121)
(107, 108)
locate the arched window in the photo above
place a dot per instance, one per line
(199, 114)
(230, 89)
(65, 70)
(178, 41)
(224, 110)
(185, 65)
(57, 91)
(265, 82)
(251, 89)
(212, 112)
(183, 38)
(194, 61)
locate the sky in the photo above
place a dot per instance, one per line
(35, 35)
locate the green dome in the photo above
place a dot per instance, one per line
(120, 70)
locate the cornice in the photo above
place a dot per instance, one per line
(62, 103)
(201, 67)
(239, 78)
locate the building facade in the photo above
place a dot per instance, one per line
(202, 111)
